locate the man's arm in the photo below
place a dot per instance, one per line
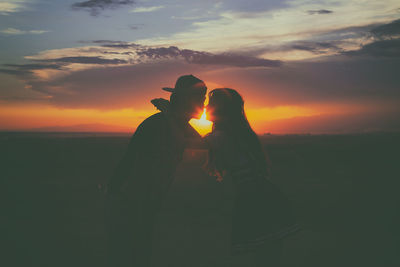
(195, 143)
(138, 155)
(125, 166)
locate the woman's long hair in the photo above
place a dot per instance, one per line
(230, 119)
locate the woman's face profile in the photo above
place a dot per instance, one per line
(212, 110)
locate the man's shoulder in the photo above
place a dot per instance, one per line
(155, 118)
(155, 121)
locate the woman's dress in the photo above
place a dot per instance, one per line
(261, 213)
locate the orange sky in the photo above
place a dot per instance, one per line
(49, 118)
(326, 67)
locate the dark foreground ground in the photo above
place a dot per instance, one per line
(345, 190)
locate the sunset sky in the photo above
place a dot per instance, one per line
(301, 66)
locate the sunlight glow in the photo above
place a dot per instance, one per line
(202, 125)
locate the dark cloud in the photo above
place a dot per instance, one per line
(321, 42)
(87, 60)
(346, 33)
(383, 43)
(24, 70)
(205, 58)
(390, 30)
(386, 42)
(122, 45)
(320, 11)
(229, 60)
(137, 55)
(314, 47)
(33, 66)
(96, 6)
(55, 64)
(107, 42)
(384, 48)
(112, 44)
(15, 72)
(117, 53)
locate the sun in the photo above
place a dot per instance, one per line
(202, 125)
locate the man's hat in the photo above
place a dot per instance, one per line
(188, 84)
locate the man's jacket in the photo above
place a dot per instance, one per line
(146, 170)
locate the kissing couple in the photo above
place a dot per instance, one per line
(262, 216)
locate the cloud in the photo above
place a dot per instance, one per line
(124, 45)
(13, 31)
(76, 76)
(315, 47)
(205, 58)
(96, 6)
(353, 40)
(33, 66)
(11, 6)
(384, 48)
(87, 60)
(70, 76)
(101, 42)
(123, 53)
(274, 23)
(146, 9)
(27, 70)
(320, 11)
(41, 66)
(385, 42)
(390, 30)
(16, 72)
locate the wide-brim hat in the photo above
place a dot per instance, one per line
(188, 84)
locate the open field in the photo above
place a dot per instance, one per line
(345, 190)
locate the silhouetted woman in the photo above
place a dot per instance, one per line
(262, 215)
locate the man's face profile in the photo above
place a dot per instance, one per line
(196, 105)
(197, 100)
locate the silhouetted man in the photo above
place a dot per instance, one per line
(142, 178)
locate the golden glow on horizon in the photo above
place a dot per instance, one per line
(27, 117)
(280, 112)
(202, 125)
(37, 116)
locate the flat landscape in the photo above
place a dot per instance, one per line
(344, 189)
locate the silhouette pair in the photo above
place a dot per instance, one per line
(261, 217)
